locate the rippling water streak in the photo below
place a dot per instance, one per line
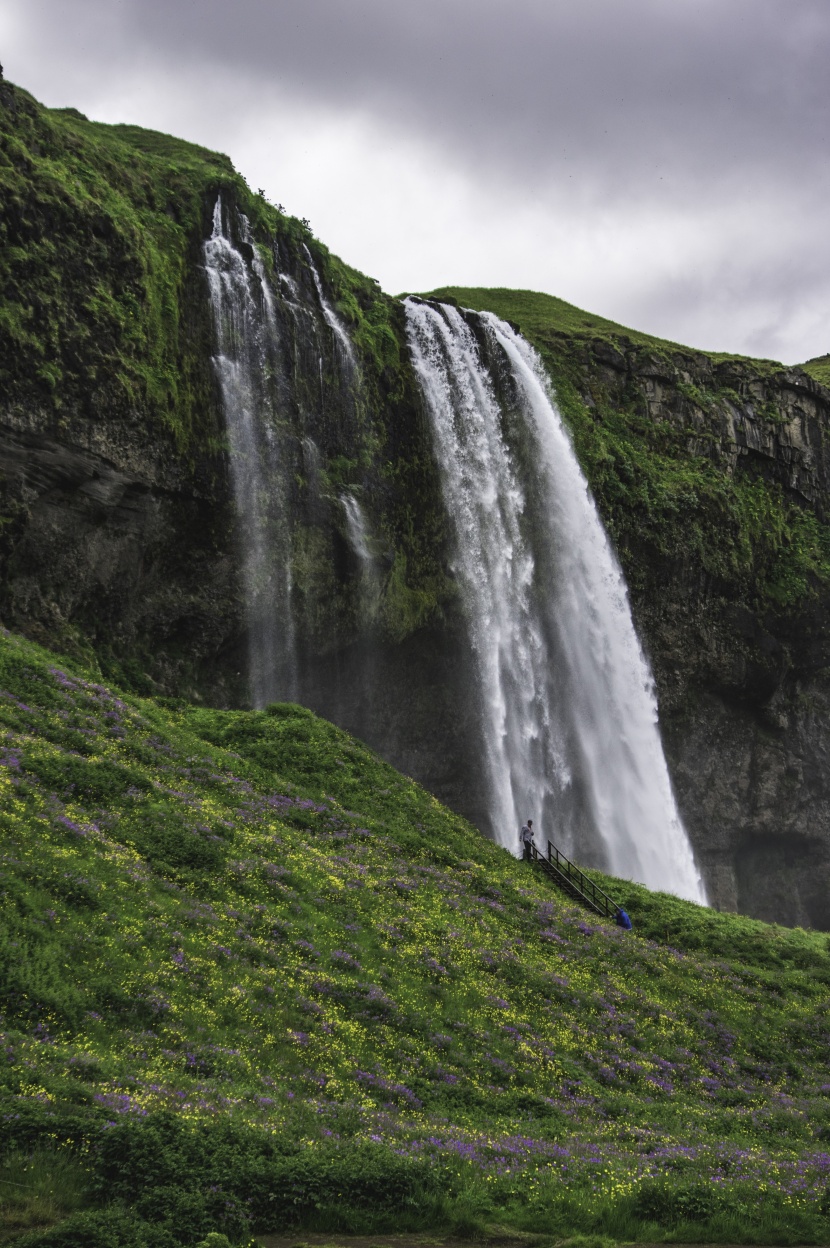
(246, 332)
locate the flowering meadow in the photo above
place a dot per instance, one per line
(253, 979)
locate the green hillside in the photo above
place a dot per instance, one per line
(544, 316)
(96, 226)
(253, 979)
(539, 315)
(819, 368)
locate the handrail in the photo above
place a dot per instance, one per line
(595, 897)
(584, 883)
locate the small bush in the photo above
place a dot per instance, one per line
(666, 1205)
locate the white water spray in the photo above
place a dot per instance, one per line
(568, 707)
(247, 342)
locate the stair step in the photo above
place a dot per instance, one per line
(580, 889)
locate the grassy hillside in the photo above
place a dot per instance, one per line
(540, 315)
(96, 263)
(254, 979)
(819, 368)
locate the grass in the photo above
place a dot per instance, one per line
(541, 316)
(253, 979)
(96, 268)
(819, 369)
(39, 1188)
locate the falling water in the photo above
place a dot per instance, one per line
(568, 707)
(246, 332)
(312, 466)
(357, 531)
(341, 337)
(356, 528)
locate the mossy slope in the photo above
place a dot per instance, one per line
(96, 227)
(253, 977)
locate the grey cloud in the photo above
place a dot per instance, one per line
(586, 110)
(623, 94)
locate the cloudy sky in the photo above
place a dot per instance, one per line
(661, 162)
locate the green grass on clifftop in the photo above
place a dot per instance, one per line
(254, 979)
(819, 369)
(539, 315)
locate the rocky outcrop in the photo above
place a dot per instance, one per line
(109, 552)
(742, 679)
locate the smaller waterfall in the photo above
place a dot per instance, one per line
(356, 528)
(246, 331)
(358, 534)
(311, 464)
(291, 286)
(569, 714)
(331, 318)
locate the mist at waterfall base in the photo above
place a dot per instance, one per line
(568, 709)
(564, 700)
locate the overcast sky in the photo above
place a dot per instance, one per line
(661, 162)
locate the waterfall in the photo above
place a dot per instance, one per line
(341, 337)
(357, 532)
(567, 701)
(356, 529)
(311, 464)
(246, 361)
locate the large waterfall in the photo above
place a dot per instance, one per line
(246, 365)
(567, 703)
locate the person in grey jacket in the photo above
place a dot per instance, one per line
(526, 839)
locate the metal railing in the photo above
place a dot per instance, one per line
(575, 881)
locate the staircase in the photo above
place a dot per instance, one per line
(571, 880)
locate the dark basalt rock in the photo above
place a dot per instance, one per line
(742, 682)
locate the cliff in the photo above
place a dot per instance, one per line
(712, 474)
(120, 541)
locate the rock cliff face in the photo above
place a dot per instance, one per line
(120, 539)
(741, 673)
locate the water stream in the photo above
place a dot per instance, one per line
(563, 693)
(567, 702)
(341, 337)
(357, 532)
(246, 362)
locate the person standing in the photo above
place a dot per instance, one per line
(526, 839)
